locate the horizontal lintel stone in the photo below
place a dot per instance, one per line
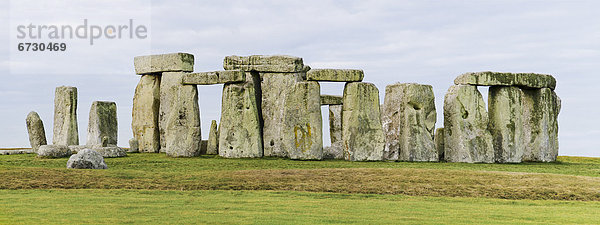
(335, 75)
(173, 62)
(488, 78)
(216, 77)
(264, 63)
(331, 100)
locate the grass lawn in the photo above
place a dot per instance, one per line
(154, 188)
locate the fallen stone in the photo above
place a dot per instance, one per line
(172, 62)
(409, 122)
(439, 143)
(466, 134)
(264, 63)
(362, 133)
(182, 126)
(86, 159)
(335, 75)
(216, 77)
(76, 148)
(540, 124)
(488, 78)
(110, 151)
(53, 151)
(240, 130)
(303, 131)
(506, 123)
(144, 124)
(274, 91)
(35, 129)
(331, 100)
(212, 147)
(102, 123)
(65, 116)
(335, 151)
(134, 145)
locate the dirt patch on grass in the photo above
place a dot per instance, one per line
(408, 181)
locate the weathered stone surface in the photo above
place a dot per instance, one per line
(216, 77)
(335, 151)
(335, 75)
(53, 151)
(488, 78)
(172, 62)
(212, 147)
(362, 133)
(540, 125)
(331, 100)
(65, 116)
(110, 151)
(438, 139)
(275, 88)
(506, 123)
(408, 122)
(134, 145)
(264, 63)
(182, 127)
(303, 126)
(240, 131)
(16, 152)
(102, 123)
(35, 129)
(86, 159)
(76, 148)
(145, 111)
(466, 134)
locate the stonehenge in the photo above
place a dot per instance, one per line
(65, 116)
(302, 130)
(102, 124)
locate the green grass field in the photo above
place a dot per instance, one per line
(153, 188)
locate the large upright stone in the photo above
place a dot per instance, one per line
(182, 120)
(144, 123)
(335, 75)
(212, 147)
(335, 151)
(275, 88)
(303, 128)
(540, 125)
(408, 122)
(240, 130)
(65, 116)
(488, 78)
(172, 62)
(506, 123)
(264, 63)
(362, 133)
(438, 139)
(35, 129)
(102, 123)
(466, 134)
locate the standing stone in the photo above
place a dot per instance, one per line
(212, 147)
(182, 120)
(408, 122)
(506, 123)
(102, 123)
(146, 103)
(303, 131)
(275, 88)
(466, 134)
(540, 120)
(240, 131)
(362, 133)
(439, 142)
(35, 128)
(335, 151)
(134, 145)
(65, 116)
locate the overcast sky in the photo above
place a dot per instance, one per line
(429, 42)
